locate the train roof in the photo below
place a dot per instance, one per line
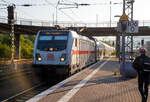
(46, 31)
(107, 46)
(74, 33)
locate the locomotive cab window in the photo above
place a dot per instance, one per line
(60, 38)
(52, 42)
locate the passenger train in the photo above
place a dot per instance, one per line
(65, 52)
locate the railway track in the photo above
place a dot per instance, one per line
(15, 74)
(6, 72)
(27, 94)
(38, 88)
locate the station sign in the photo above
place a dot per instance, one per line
(133, 26)
(128, 26)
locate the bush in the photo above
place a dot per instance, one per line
(5, 51)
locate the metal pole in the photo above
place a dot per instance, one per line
(132, 34)
(110, 13)
(53, 20)
(96, 20)
(124, 6)
(123, 45)
(118, 46)
(12, 42)
(123, 52)
(57, 11)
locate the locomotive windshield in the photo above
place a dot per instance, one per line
(52, 42)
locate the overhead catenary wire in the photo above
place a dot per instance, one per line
(59, 10)
(32, 5)
(92, 4)
(26, 14)
(26, 5)
(23, 5)
(71, 5)
(67, 15)
(76, 15)
(69, 1)
(76, 5)
(54, 6)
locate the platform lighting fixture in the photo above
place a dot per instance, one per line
(117, 16)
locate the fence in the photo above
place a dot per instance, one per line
(68, 23)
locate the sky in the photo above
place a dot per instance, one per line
(98, 11)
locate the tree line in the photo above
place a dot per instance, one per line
(26, 43)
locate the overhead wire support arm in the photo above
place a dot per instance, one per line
(67, 4)
(84, 4)
(75, 5)
(67, 8)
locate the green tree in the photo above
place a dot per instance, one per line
(6, 39)
(26, 47)
(4, 51)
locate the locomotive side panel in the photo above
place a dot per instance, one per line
(93, 52)
(82, 53)
(87, 52)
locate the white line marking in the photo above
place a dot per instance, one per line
(51, 89)
(72, 92)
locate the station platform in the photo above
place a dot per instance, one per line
(96, 83)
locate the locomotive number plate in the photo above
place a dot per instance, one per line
(50, 56)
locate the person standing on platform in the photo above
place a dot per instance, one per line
(142, 65)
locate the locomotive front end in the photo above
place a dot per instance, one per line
(50, 50)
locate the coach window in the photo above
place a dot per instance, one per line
(75, 42)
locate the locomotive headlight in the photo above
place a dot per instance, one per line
(38, 57)
(63, 57)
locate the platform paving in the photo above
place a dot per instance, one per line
(96, 84)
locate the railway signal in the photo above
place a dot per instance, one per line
(11, 22)
(10, 10)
